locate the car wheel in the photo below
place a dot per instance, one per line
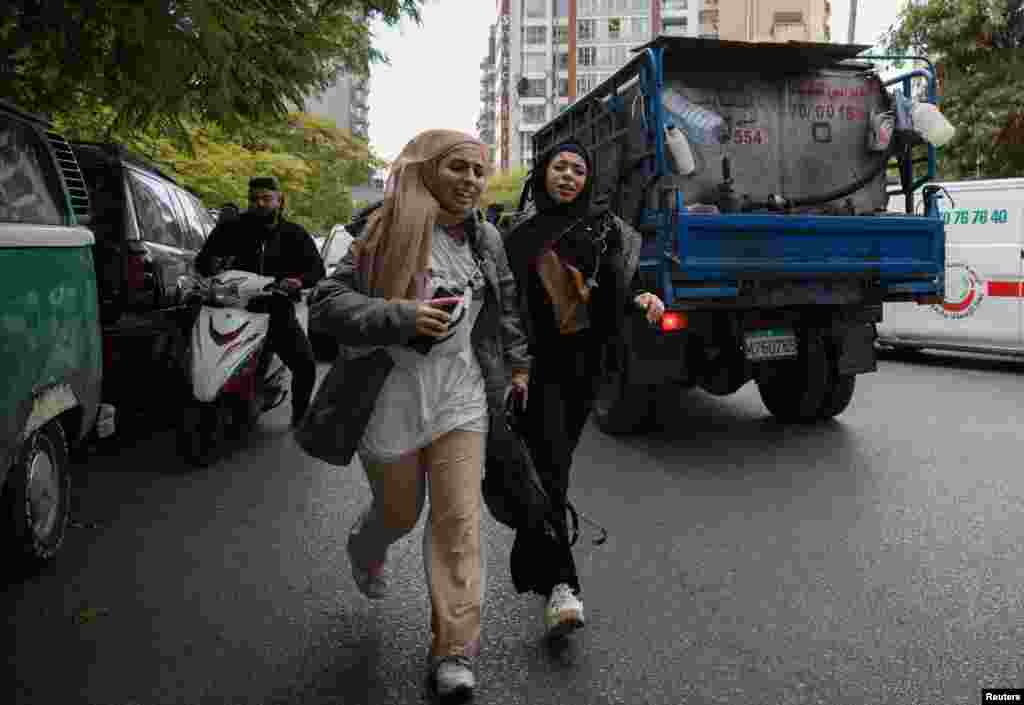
(37, 496)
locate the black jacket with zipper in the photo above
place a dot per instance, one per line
(283, 249)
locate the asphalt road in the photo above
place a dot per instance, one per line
(875, 559)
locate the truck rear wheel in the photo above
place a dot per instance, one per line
(838, 396)
(622, 408)
(795, 391)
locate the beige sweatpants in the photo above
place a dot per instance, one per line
(452, 548)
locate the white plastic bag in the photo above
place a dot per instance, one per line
(931, 124)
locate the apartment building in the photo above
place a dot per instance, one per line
(768, 20)
(544, 54)
(487, 120)
(347, 101)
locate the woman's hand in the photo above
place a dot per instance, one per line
(652, 305)
(430, 321)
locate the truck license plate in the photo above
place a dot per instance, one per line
(770, 345)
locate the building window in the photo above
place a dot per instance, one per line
(585, 83)
(586, 56)
(532, 88)
(612, 56)
(563, 87)
(789, 17)
(560, 34)
(586, 30)
(673, 4)
(536, 35)
(615, 28)
(526, 147)
(536, 8)
(585, 8)
(641, 27)
(534, 63)
(675, 26)
(563, 61)
(561, 8)
(534, 113)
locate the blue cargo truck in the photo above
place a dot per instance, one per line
(770, 240)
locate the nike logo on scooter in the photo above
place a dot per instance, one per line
(222, 339)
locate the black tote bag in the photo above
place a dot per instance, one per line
(340, 411)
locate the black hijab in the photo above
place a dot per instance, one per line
(570, 228)
(552, 220)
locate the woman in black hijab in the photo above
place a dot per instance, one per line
(575, 265)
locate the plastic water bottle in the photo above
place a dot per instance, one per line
(679, 147)
(702, 126)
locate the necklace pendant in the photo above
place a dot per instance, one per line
(591, 282)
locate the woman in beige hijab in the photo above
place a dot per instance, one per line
(429, 282)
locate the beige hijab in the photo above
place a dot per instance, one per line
(394, 255)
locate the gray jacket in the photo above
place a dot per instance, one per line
(339, 309)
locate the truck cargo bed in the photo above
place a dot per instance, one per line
(714, 253)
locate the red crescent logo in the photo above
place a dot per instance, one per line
(222, 339)
(962, 305)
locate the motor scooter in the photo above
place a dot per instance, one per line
(233, 375)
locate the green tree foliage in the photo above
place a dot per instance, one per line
(164, 63)
(316, 162)
(504, 188)
(976, 47)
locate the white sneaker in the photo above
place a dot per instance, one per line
(453, 678)
(564, 612)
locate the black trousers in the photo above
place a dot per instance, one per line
(561, 394)
(290, 342)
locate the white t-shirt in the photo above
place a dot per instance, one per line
(432, 392)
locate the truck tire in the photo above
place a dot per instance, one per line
(838, 396)
(795, 391)
(37, 497)
(622, 408)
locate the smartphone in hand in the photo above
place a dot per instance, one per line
(446, 303)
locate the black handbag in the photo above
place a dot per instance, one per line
(512, 489)
(338, 415)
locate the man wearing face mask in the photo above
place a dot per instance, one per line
(260, 240)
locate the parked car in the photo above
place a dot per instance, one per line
(50, 348)
(335, 246)
(148, 231)
(981, 310)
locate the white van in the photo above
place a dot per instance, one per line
(984, 258)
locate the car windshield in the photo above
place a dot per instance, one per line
(337, 246)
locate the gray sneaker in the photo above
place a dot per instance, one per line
(368, 575)
(452, 677)
(563, 613)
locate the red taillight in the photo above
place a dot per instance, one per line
(674, 321)
(135, 271)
